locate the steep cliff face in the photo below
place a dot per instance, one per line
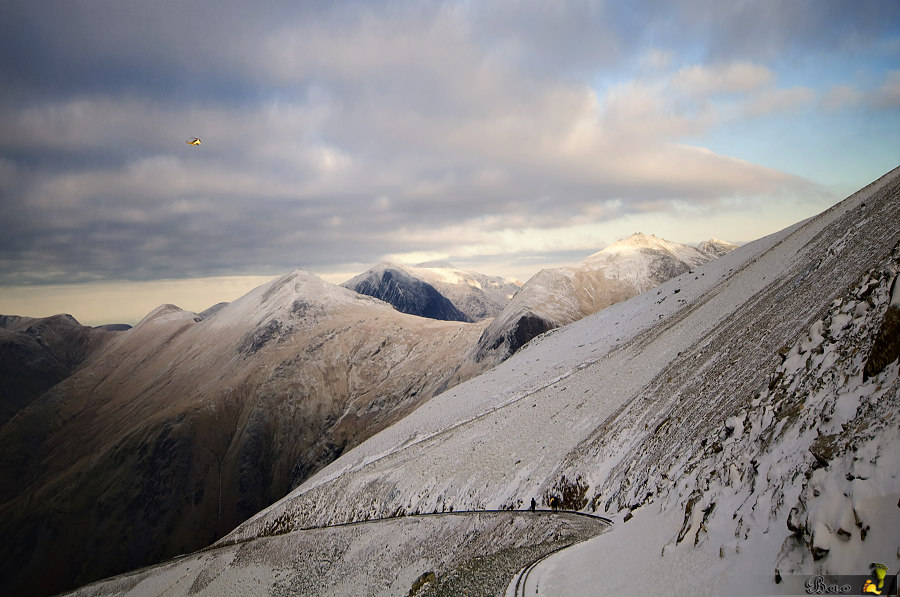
(556, 297)
(182, 427)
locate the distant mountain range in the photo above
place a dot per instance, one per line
(119, 448)
(739, 424)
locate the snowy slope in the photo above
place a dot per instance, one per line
(475, 295)
(739, 423)
(559, 296)
(802, 479)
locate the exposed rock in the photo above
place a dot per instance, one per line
(886, 348)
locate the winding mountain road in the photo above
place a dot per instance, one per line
(465, 552)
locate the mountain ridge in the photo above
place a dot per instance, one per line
(38, 352)
(181, 427)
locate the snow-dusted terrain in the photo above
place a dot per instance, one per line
(475, 295)
(559, 296)
(739, 424)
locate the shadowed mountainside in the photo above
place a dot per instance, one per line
(36, 353)
(406, 293)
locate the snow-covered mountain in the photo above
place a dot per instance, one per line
(556, 297)
(436, 289)
(740, 424)
(175, 431)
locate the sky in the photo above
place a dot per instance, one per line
(504, 137)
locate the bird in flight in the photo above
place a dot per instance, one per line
(193, 141)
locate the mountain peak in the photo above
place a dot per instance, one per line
(407, 292)
(638, 240)
(161, 311)
(716, 247)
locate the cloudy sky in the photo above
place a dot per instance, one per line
(502, 136)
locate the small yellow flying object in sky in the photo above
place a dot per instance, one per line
(193, 141)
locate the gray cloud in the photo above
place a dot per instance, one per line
(338, 135)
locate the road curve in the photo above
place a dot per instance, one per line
(518, 585)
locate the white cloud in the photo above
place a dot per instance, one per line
(656, 60)
(734, 77)
(884, 97)
(736, 90)
(401, 173)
